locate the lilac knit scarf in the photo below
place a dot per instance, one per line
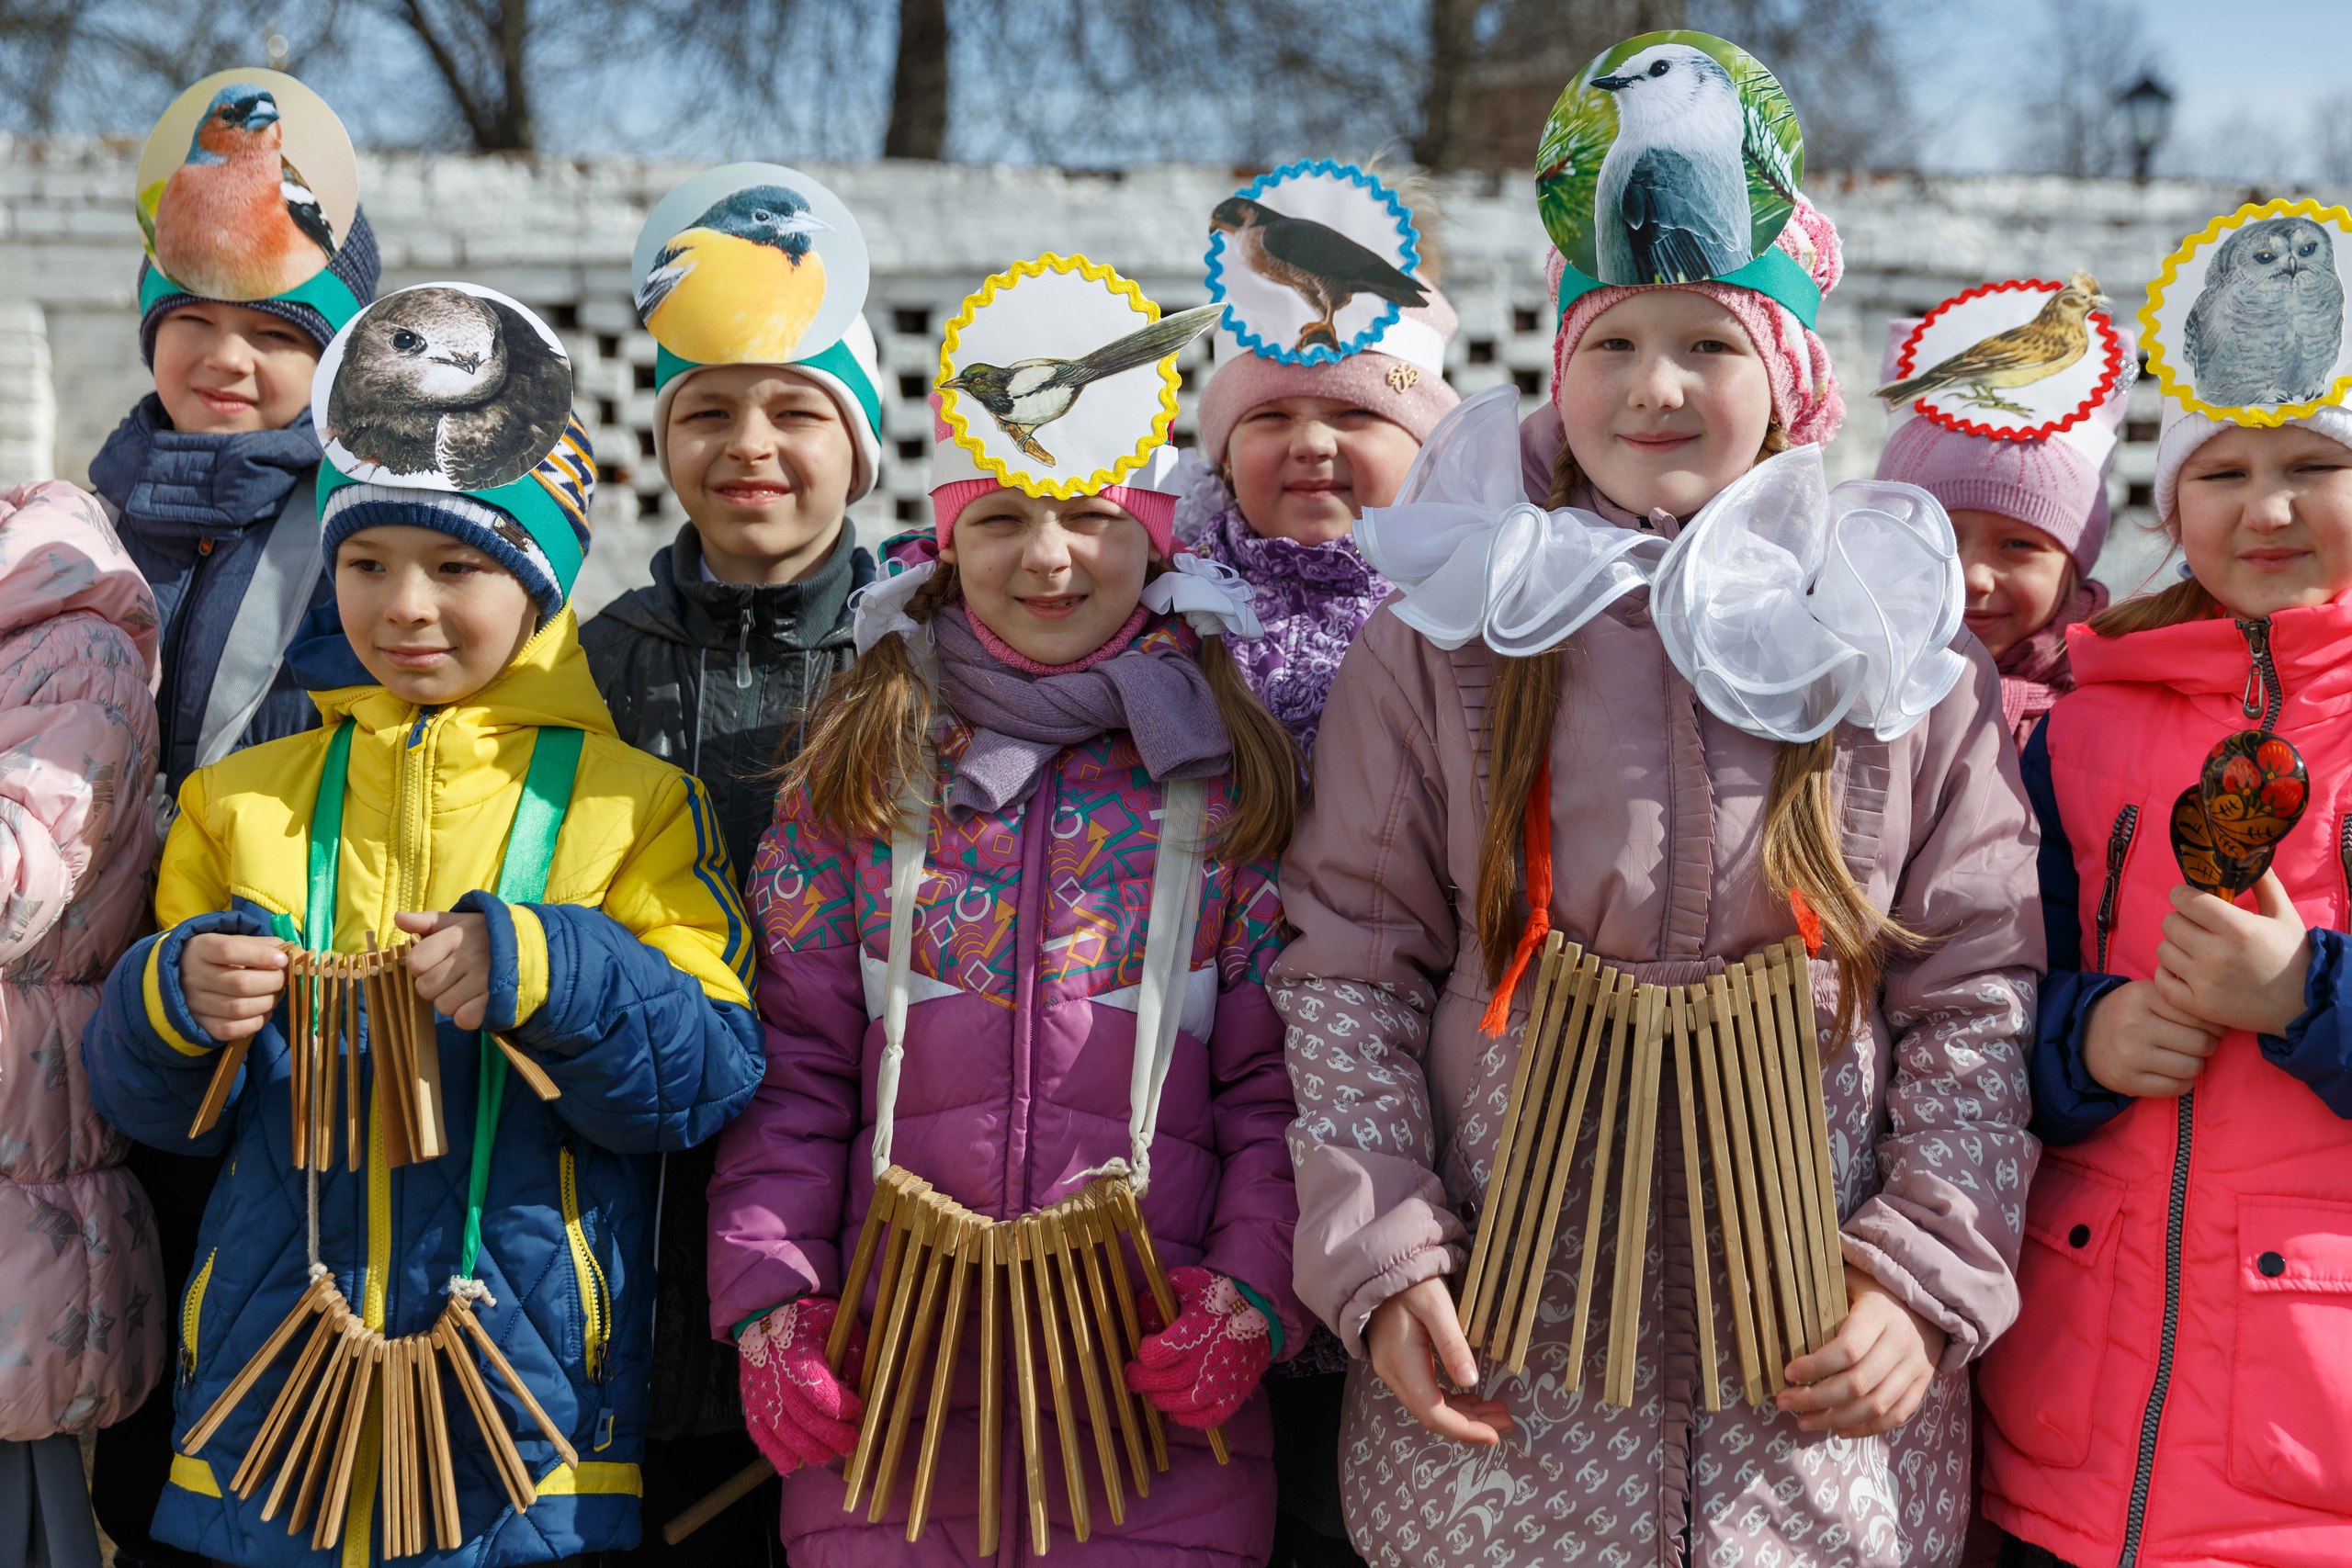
(1154, 691)
(1312, 599)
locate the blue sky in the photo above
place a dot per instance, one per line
(2248, 80)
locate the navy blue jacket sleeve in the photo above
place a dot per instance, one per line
(2318, 1047)
(2069, 1105)
(647, 1060)
(149, 1062)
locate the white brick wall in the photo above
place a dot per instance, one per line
(555, 235)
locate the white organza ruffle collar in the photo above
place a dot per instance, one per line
(1789, 607)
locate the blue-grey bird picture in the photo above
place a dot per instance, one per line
(1671, 204)
(2269, 323)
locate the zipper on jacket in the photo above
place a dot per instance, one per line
(743, 652)
(2151, 1418)
(191, 1314)
(2118, 850)
(2263, 695)
(2344, 853)
(596, 1299)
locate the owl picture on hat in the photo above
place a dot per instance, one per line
(2018, 360)
(1058, 375)
(246, 186)
(2245, 320)
(748, 264)
(444, 386)
(1313, 261)
(1674, 157)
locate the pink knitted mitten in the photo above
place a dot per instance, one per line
(1200, 1368)
(798, 1411)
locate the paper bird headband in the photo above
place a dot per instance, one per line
(752, 264)
(2026, 359)
(1059, 378)
(246, 188)
(456, 388)
(1674, 157)
(1316, 262)
(2245, 320)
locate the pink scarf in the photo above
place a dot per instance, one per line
(2034, 672)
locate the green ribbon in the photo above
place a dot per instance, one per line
(521, 879)
(322, 291)
(837, 362)
(1775, 274)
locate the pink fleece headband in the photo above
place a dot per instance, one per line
(1406, 389)
(1155, 509)
(1805, 399)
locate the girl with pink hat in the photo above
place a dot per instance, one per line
(1304, 425)
(2020, 465)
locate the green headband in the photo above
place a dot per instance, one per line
(525, 499)
(1775, 274)
(837, 362)
(322, 291)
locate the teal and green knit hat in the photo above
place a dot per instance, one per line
(449, 406)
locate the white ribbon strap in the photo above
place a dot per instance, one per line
(1175, 919)
(909, 853)
(1208, 594)
(1167, 963)
(880, 610)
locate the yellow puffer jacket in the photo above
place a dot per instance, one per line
(626, 984)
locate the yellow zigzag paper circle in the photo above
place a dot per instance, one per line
(2176, 384)
(1003, 472)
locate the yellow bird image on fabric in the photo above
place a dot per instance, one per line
(2032, 351)
(741, 284)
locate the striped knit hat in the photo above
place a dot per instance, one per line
(536, 528)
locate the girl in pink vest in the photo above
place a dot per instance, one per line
(2178, 1388)
(1042, 727)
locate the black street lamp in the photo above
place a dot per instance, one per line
(2147, 107)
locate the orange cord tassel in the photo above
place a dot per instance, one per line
(1537, 816)
(1808, 920)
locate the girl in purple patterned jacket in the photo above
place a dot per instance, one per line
(1043, 686)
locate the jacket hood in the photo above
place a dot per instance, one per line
(57, 556)
(547, 683)
(681, 607)
(2311, 646)
(171, 482)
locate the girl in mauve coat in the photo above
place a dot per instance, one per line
(1828, 763)
(1033, 671)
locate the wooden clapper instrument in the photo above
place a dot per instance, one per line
(1747, 1084)
(348, 1376)
(1052, 1289)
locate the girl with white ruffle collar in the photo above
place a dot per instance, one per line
(1717, 703)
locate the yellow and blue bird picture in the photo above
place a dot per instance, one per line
(749, 264)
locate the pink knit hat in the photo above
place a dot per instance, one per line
(2057, 484)
(1402, 379)
(1805, 399)
(956, 481)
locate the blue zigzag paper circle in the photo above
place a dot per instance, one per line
(1340, 196)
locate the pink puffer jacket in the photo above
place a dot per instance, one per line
(2178, 1386)
(1656, 813)
(82, 1316)
(1027, 949)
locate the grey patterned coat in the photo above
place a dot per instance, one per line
(1657, 818)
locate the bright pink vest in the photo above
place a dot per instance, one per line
(2178, 1388)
